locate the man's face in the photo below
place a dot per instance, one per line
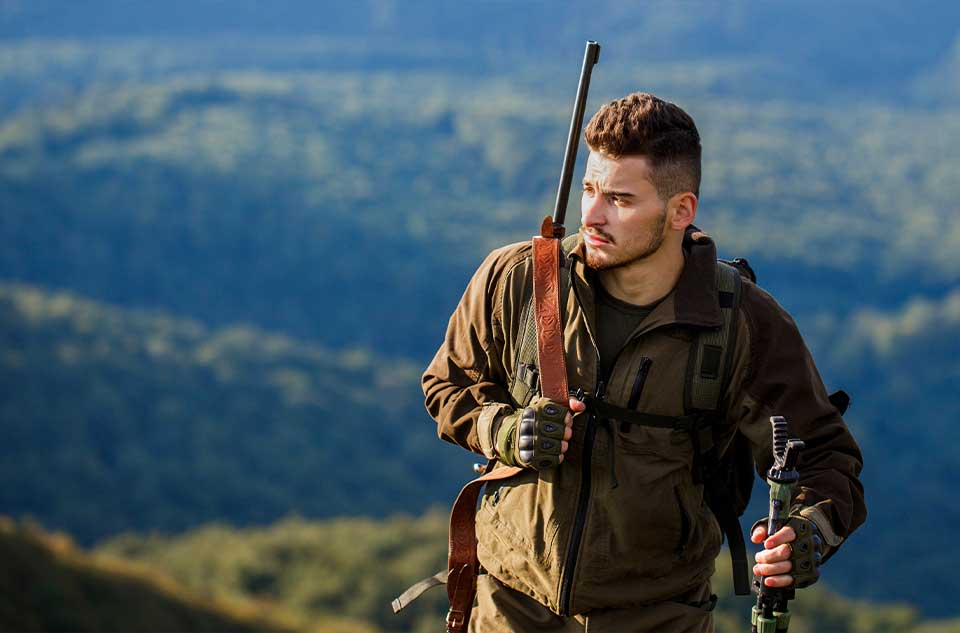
(623, 220)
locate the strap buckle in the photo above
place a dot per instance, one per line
(455, 620)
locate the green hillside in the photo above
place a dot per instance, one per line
(162, 423)
(334, 576)
(47, 584)
(318, 203)
(345, 567)
(355, 567)
(143, 422)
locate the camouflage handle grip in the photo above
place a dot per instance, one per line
(780, 496)
(770, 614)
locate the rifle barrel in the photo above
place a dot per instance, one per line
(591, 56)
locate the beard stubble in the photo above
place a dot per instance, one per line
(652, 246)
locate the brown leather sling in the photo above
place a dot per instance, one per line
(462, 563)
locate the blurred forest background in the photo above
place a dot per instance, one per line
(231, 234)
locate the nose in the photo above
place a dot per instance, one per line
(593, 209)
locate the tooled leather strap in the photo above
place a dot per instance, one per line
(462, 556)
(462, 560)
(546, 300)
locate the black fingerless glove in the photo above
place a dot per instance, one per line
(806, 552)
(532, 437)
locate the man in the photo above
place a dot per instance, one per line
(606, 527)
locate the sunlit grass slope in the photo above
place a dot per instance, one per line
(47, 584)
(354, 567)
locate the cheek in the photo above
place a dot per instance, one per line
(637, 221)
(625, 219)
(586, 204)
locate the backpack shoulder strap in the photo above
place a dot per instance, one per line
(709, 368)
(708, 374)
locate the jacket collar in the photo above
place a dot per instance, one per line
(693, 301)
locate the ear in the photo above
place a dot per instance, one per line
(683, 210)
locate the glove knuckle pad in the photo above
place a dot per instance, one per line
(537, 435)
(806, 552)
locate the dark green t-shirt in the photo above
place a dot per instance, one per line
(616, 321)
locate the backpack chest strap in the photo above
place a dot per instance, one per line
(687, 423)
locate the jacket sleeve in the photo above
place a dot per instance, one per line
(779, 377)
(465, 385)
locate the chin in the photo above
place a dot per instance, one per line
(597, 261)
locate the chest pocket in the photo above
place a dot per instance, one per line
(526, 376)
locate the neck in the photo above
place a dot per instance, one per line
(648, 280)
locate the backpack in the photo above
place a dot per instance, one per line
(728, 478)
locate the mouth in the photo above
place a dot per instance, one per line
(594, 239)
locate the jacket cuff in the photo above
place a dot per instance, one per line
(816, 516)
(487, 429)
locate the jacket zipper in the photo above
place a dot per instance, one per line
(583, 501)
(639, 381)
(637, 390)
(580, 520)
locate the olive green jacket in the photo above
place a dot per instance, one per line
(621, 522)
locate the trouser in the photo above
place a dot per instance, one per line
(500, 609)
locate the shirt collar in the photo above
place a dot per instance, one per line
(693, 300)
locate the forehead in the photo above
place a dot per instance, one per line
(627, 173)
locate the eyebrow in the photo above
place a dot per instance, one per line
(622, 194)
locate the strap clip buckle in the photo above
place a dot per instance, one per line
(455, 620)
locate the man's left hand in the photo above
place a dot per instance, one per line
(773, 563)
(776, 562)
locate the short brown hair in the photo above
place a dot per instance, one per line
(641, 124)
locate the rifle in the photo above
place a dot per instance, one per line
(546, 254)
(770, 614)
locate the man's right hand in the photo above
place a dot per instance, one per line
(537, 435)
